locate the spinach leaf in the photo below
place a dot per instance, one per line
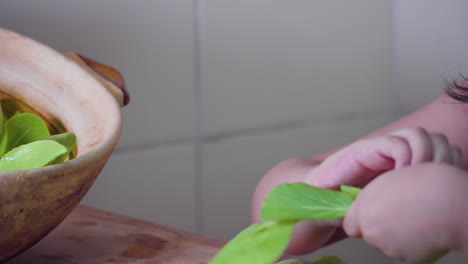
(2, 119)
(68, 140)
(32, 155)
(20, 129)
(282, 208)
(350, 190)
(300, 201)
(17, 133)
(260, 243)
(3, 142)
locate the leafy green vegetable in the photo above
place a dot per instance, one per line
(25, 140)
(260, 243)
(350, 190)
(21, 129)
(33, 155)
(329, 260)
(282, 208)
(68, 140)
(3, 142)
(300, 201)
(2, 119)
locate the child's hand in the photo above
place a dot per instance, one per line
(360, 162)
(415, 214)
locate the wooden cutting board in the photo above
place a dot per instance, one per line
(92, 236)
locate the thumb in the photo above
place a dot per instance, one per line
(350, 222)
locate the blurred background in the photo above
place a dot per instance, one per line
(222, 90)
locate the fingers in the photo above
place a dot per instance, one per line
(457, 157)
(429, 147)
(360, 162)
(442, 150)
(386, 152)
(420, 143)
(350, 224)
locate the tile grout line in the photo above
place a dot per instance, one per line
(198, 15)
(252, 131)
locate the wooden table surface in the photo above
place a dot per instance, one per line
(92, 236)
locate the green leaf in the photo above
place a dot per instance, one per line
(21, 129)
(68, 140)
(285, 205)
(33, 155)
(329, 260)
(3, 143)
(350, 190)
(261, 243)
(300, 201)
(2, 118)
(3, 140)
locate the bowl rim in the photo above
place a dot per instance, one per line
(104, 148)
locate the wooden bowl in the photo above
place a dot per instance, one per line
(72, 93)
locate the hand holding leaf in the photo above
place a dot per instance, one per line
(283, 207)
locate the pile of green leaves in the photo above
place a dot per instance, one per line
(26, 143)
(284, 206)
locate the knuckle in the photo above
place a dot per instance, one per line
(458, 153)
(441, 137)
(396, 140)
(399, 145)
(446, 158)
(413, 132)
(418, 132)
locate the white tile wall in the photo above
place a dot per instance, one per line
(269, 61)
(233, 167)
(156, 185)
(150, 42)
(430, 44)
